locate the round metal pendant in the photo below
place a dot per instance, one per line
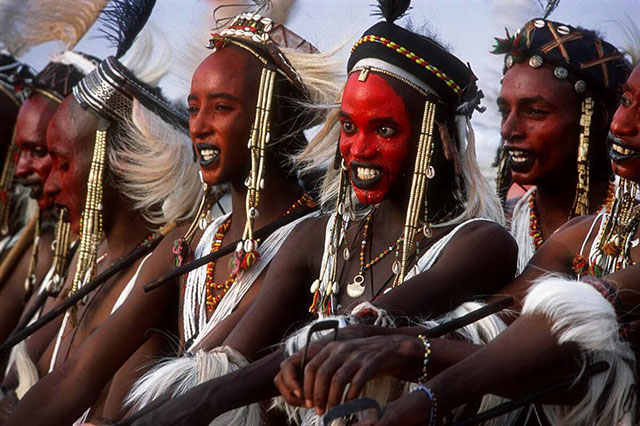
(426, 230)
(508, 61)
(253, 213)
(580, 86)
(561, 73)
(356, 288)
(535, 61)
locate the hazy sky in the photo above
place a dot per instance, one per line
(466, 26)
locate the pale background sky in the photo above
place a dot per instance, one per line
(466, 26)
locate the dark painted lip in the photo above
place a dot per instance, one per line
(364, 184)
(201, 146)
(523, 166)
(617, 157)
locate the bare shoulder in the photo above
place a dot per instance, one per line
(483, 232)
(573, 233)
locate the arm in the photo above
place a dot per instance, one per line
(284, 297)
(457, 277)
(102, 353)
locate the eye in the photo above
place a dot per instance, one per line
(386, 131)
(63, 167)
(39, 152)
(625, 100)
(537, 112)
(192, 110)
(349, 127)
(224, 107)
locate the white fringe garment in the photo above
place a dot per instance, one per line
(581, 315)
(176, 376)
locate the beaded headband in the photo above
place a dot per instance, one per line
(110, 89)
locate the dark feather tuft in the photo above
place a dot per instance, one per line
(392, 10)
(122, 21)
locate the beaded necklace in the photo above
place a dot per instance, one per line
(356, 288)
(534, 224)
(212, 299)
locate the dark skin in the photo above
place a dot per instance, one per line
(97, 344)
(527, 355)
(8, 118)
(284, 298)
(541, 115)
(34, 164)
(222, 108)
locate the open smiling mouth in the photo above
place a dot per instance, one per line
(620, 151)
(520, 160)
(365, 176)
(208, 154)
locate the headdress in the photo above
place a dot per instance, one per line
(445, 84)
(275, 46)
(137, 126)
(595, 68)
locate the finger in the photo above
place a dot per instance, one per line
(339, 380)
(287, 391)
(324, 375)
(365, 373)
(310, 371)
(289, 381)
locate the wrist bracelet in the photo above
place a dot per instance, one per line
(425, 360)
(434, 403)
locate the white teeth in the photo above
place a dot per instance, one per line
(208, 154)
(519, 156)
(365, 173)
(621, 150)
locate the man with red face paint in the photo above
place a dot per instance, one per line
(122, 166)
(557, 97)
(565, 324)
(392, 246)
(46, 91)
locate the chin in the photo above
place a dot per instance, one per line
(629, 170)
(371, 196)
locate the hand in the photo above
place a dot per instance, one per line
(412, 409)
(331, 367)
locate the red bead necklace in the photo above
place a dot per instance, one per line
(222, 288)
(534, 224)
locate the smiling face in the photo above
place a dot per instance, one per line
(34, 163)
(70, 140)
(374, 136)
(625, 131)
(221, 110)
(540, 124)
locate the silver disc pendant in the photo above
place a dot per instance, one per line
(356, 289)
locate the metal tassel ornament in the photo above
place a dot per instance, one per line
(62, 245)
(581, 201)
(422, 172)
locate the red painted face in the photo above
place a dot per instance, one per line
(70, 140)
(34, 163)
(221, 111)
(374, 136)
(625, 131)
(540, 124)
